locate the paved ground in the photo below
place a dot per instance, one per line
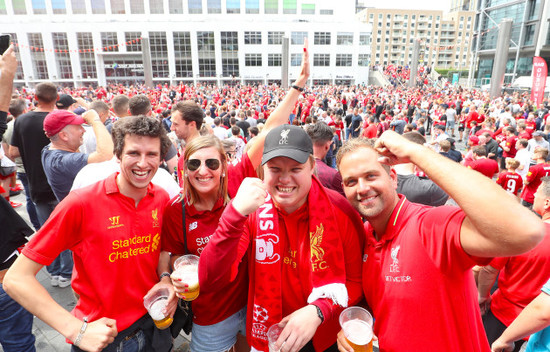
(49, 340)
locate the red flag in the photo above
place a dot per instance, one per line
(540, 71)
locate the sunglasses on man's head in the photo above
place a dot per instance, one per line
(194, 164)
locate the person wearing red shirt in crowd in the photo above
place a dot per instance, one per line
(530, 123)
(519, 278)
(522, 132)
(534, 176)
(481, 163)
(303, 245)
(115, 248)
(473, 115)
(383, 125)
(510, 180)
(508, 145)
(412, 249)
(210, 180)
(372, 130)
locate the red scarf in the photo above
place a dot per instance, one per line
(324, 240)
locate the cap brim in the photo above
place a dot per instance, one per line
(294, 154)
(78, 120)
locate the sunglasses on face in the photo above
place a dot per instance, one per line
(194, 164)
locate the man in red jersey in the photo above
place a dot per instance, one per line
(116, 248)
(508, 145)
(417, 263)
(510, 180)
(481, 163)
(535, 174)
(519, 278)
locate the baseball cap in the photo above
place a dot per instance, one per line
(64, 101)
(474, 140)
(289, 141)
(538, 133)
(56, 120)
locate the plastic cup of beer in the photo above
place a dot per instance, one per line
(155, 305)
(356, 322)
(272, 335)
(186, 268)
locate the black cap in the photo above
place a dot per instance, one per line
(289, 141)
(64, 101)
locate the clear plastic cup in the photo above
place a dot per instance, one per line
(155, 305)
(356, 322)
(272, 335)
(186, 268)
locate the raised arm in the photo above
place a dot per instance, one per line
(104, 143)
(282, 112)
(496, 225)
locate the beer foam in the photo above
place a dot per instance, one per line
(156, 309)
(189, 275)
(357, 331)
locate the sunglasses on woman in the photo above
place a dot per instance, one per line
(194, 164)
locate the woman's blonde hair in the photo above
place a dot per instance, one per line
(191, 195)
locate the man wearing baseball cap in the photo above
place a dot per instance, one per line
(62, 161)
(294, 233)
(66, 102)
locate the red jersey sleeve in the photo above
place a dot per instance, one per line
(499, 263)
(172, 227)
(237, 172)
(60, 232)
(440, 232)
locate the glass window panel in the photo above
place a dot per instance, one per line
(19, 73)
(271, 6)
(117, 7)
(86, 54)
(137, 7)
(324, 12)
(295, 59)
(19, 7)
(175, 6)
(156, 6)
(343, 59)
(62, 56)
(252, 6)
(159, 54)
(321, 59)
(253, 38)
(253, 59)
(195, 6)
(214, 6)
(322, 38)
(58, 7)
(132, 41)
(233, 6)
(230, 54)
(38, 58)
(274, 59)
(109, 41)
(297, 38)
(275, 38)
(207, 54)
(98, 6)
(344, 38)
(39, 7)
(289, 6)
(308, 9)
(78, 6)
(182, 53)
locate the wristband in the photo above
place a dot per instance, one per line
(81, 333)
(300, 89)
(164, 274)
(320, 313)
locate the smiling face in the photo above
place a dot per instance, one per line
(139, 161)
(205, 181)
(367, 185)
(288, 182)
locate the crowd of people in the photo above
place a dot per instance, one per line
(300, 202)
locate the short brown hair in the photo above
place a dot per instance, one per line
(120, 104)
(139, 105)
(190, 111)
(46, 92)
(139, 126)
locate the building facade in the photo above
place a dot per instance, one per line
(446, 37)
(530, 36)
(82, 42)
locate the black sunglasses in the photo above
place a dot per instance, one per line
(194, 164)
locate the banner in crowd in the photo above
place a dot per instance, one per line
(540, 71)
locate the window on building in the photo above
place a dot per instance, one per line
(325, 12)
(207, 54)
(19, 72)
(109, 41)
(309, 9)
(78, 6)
(253, 38)
(253, 59)
(252, 6)
(214, 6)
(364, 39)
(132, 41)
(194, 6)
(156, 6)
(182, 54)
(343, 59)
(137, 7)
(58, 7)
(289, 6)
(363, 60)
(274, 59)
(117, 7)
(321, 59)
(295, 59)
(98, 7)
(230, 54)
(175, 6)
(62, 56)
(19, 7)
(529, 34)
(321, 38)
(38, 58)
(297, 38)
(38, 7)
(233, 6)
(275, 38)
(159, 54)
(271, 6)
(86, 54)
(344, 38)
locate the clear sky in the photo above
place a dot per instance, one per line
(409, 4)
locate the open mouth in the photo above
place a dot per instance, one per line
(140, 174)
(282, 189)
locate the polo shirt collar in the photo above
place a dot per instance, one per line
(397, 219)
(192, 211)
